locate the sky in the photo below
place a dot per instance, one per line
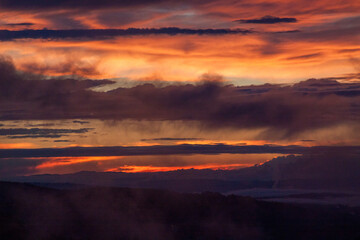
(174, 84)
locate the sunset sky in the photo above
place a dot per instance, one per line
(161, 85)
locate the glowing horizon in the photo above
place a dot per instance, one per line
(199, 73)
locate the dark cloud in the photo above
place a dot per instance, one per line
(166, 150)
(289, 31)
(293, 109)
(25, 24)
(145, 150)
(14, 133)
(171, 139)
(36, 136)
(69, 4)
(91, 34)
(305, 57)
(40, 125)
(345, 30)
(36, 131)
(349, 50)
(81, 122)
(267, 20)
(349, 77)
(88, 5)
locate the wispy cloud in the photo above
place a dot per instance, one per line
(93, 34)
(268, 20)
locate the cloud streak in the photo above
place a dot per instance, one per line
(23, 24)
(87, 4)
(167, 150)
(171, 139)
(91, 34)
(267, 20)
(15, 133)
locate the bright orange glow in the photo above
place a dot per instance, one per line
(212, 142)
(16, 145)
(200, 142)
(152, 163)
(141, 144)
(63, 161)
(233, 57)
(135, 169)
(82, 145)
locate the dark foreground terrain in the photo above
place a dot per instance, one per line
(30, 212)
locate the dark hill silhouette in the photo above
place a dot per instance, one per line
(31, 212)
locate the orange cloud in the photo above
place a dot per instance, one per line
(135, 169)
(187, 58)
